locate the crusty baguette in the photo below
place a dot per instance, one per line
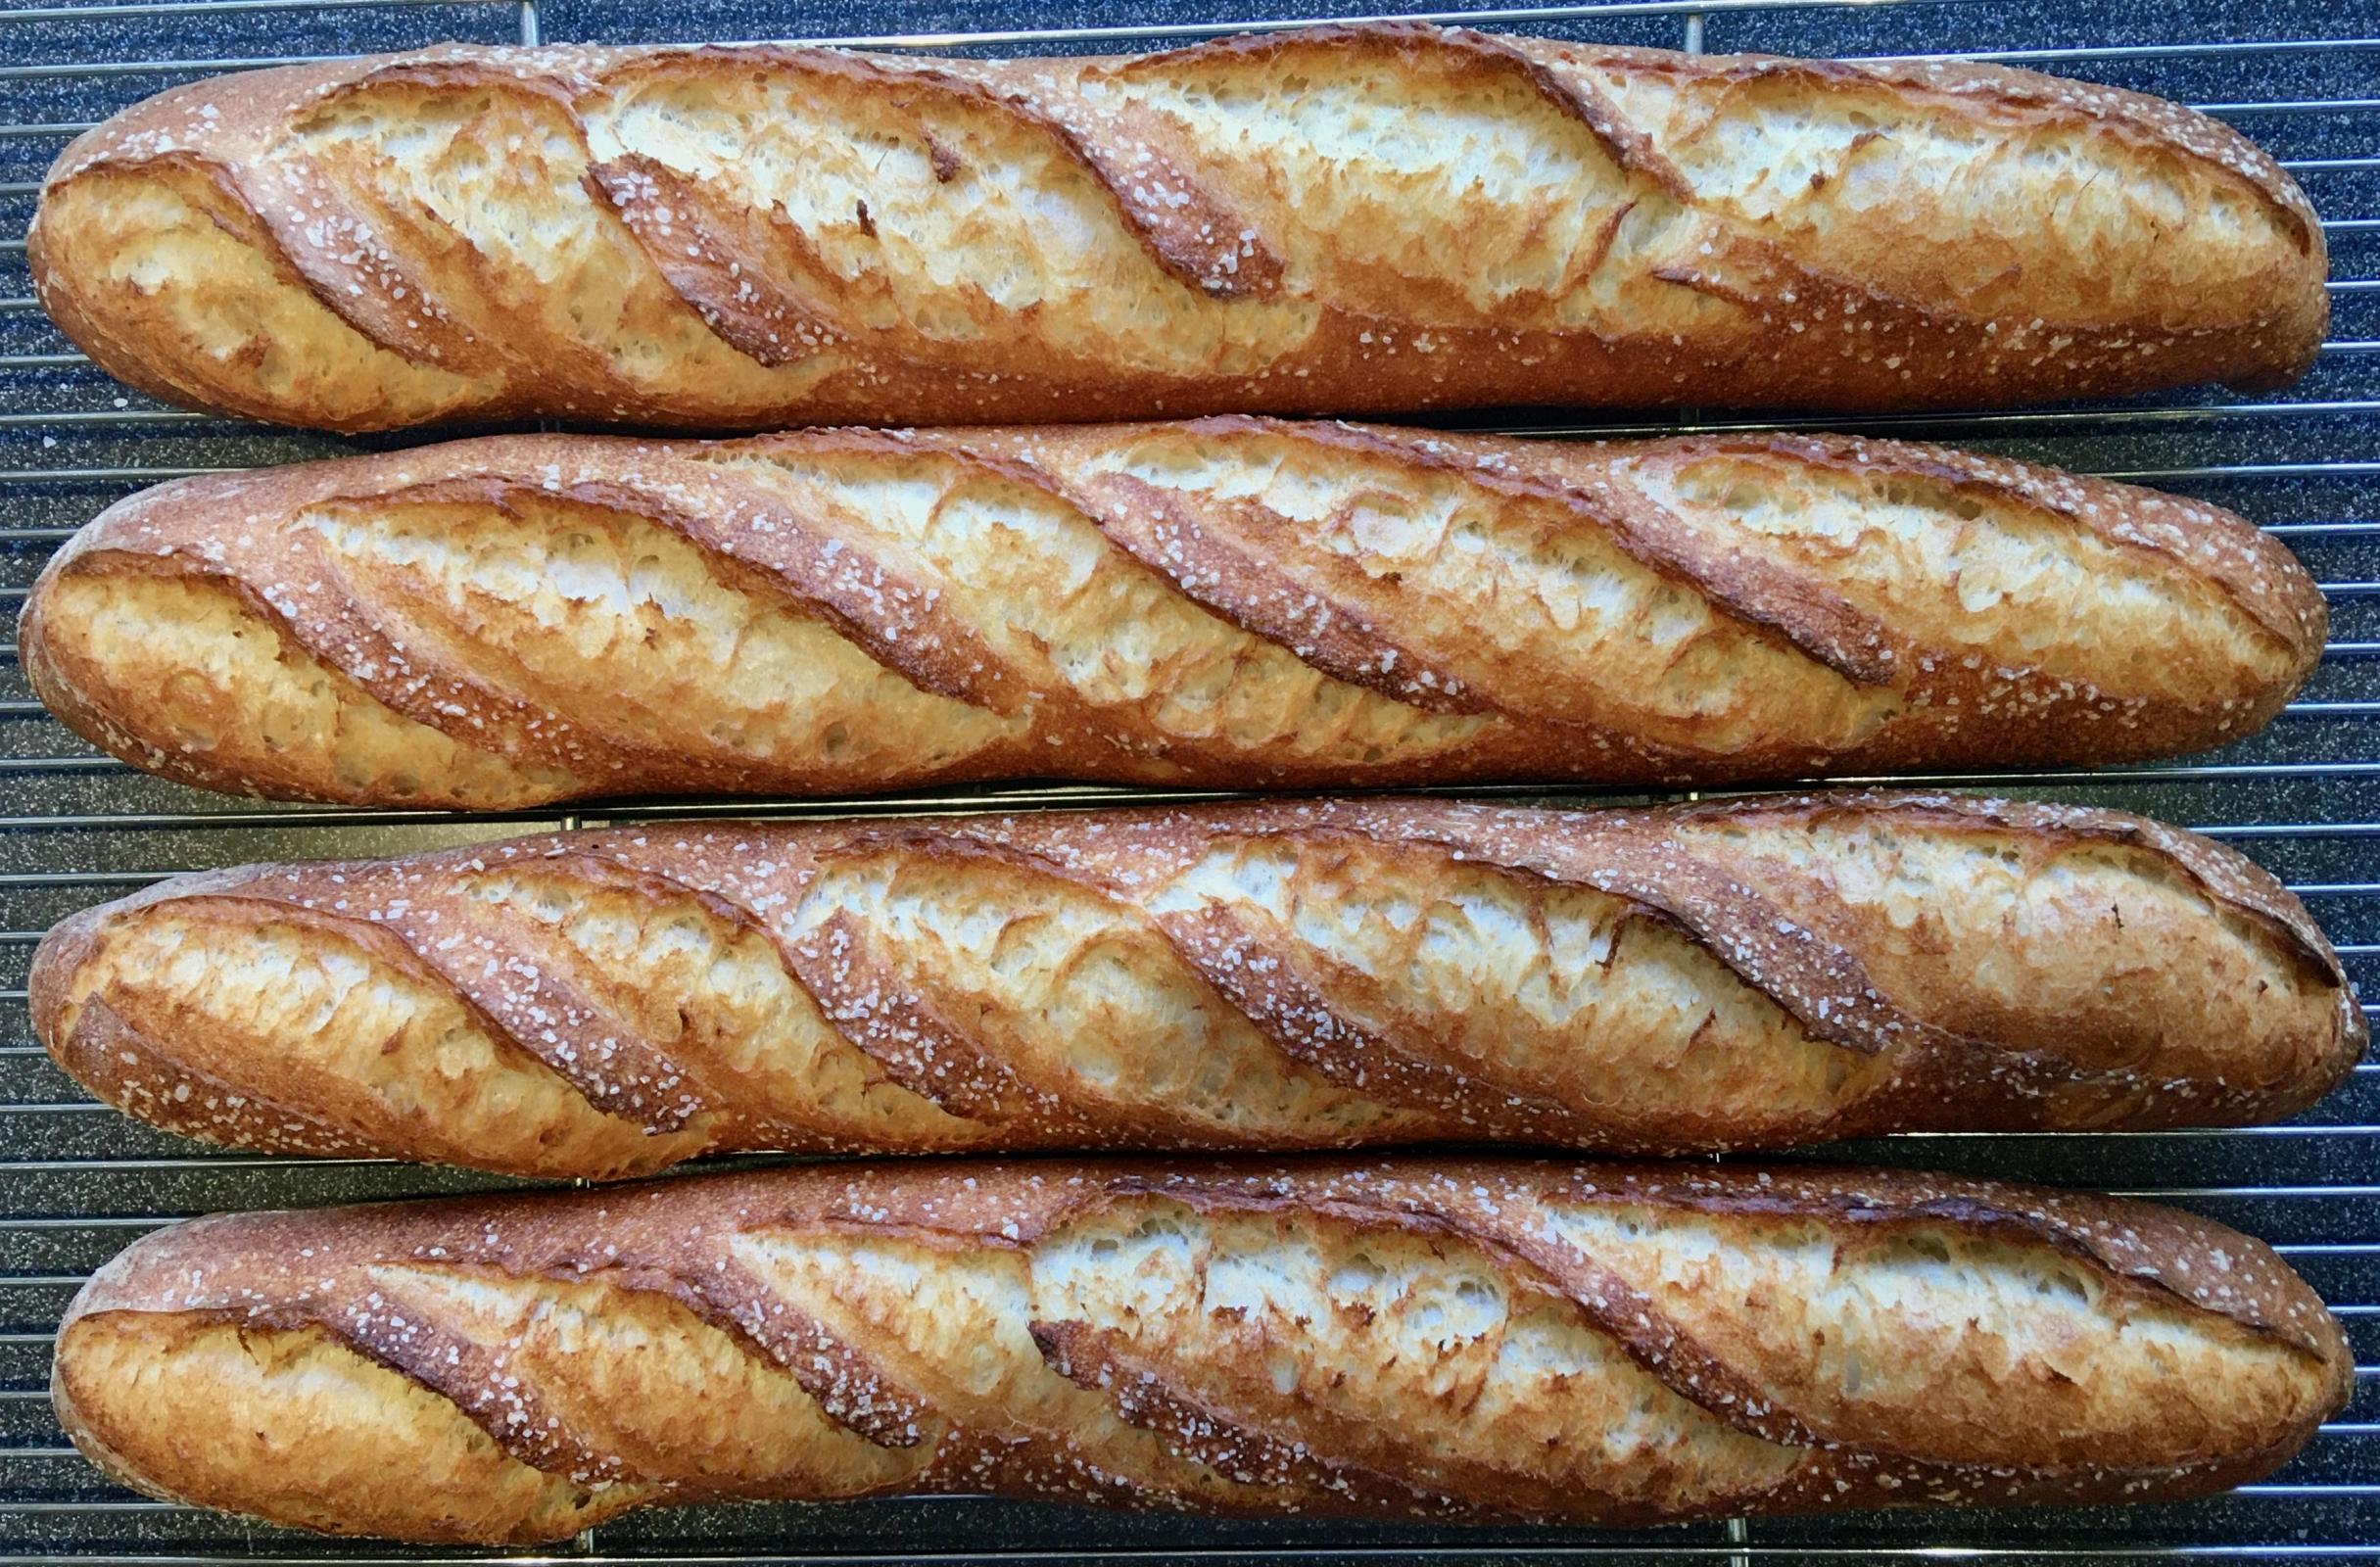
(1458, 1340)
(1229, 603)
(1343, 220)
(1280, 975)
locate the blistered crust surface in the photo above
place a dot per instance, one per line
(769, 235)
(1470, 1340)
(603, 1004)
(507, 623)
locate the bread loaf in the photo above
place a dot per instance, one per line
(1280, 975)
(505, 623)
(1464, 1340)
(1339, 219)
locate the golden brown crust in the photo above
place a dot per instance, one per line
(1346, 219)
(1285, 976)
(1230, 603)
(1454, 1339)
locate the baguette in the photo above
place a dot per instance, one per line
(1452, 1339)
(1344, 219)
(505, 623)
(1269, 977)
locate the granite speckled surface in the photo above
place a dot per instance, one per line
(76, 1181)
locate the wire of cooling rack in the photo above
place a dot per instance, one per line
(77, 1182)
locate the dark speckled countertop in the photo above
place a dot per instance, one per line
(76, 1181)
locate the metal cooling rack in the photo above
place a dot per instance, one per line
(78, 1182)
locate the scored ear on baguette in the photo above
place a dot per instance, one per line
(1232, 602)
(1360, 220)
(1278, 976)
(1464, 1340)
